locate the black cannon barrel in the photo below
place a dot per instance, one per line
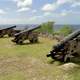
(8, 28)
(68, 38)
(27, 30)
(71, 36)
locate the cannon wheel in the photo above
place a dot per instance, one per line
(34, 40)
(10, 35)
(19, 42)
(1, 36)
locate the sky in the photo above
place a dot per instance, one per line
(39, 11)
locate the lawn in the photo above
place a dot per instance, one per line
(29, 62)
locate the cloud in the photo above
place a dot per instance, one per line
(69, 12)
(60, 2)
(49, 7)
(63, 14)
(35, 18)
(12, 20)
(47, 13)
(53, 6)
(2, 11)
(75, 4)
(23, 3)
(23, 9)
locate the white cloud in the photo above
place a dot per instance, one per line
(59, 2)
(75, 4)
(63, 14)
(2, 11)
(48, 7)
(23, 3)
(47, 13)
(23, 9)
(69, 12)
(53, 6)
(35, 18)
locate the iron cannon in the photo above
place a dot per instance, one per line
(7, 31)
(67, 48)
(28, 33)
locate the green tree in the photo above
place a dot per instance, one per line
(47, 27)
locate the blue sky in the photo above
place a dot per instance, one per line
(38, 11)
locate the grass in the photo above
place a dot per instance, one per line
(29, 62)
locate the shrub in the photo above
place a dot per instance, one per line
(65, 30)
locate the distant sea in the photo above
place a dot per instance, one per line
(23, 26)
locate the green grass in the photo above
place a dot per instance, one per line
(29, 62)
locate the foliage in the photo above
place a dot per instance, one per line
(65, 30)
(47, 27)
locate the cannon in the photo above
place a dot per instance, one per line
(28, 33)
(20, 28)
(7, 31)
(67, 48)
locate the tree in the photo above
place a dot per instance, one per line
(47, 27)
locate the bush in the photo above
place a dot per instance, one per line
(65, 30)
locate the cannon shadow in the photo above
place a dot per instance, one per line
(75, 61)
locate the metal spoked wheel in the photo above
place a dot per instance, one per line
(19, 42)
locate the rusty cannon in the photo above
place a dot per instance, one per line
(67, 48)
(28, 33)
(7, 31)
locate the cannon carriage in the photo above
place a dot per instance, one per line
(29, 34)
(67, 49)
(7, 31)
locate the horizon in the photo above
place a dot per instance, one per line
(35, 24)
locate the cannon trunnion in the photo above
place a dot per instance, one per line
(68, 48)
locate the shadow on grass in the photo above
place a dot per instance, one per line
(4, 37)
(28, 43)
(74, 60)
(55, 61)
